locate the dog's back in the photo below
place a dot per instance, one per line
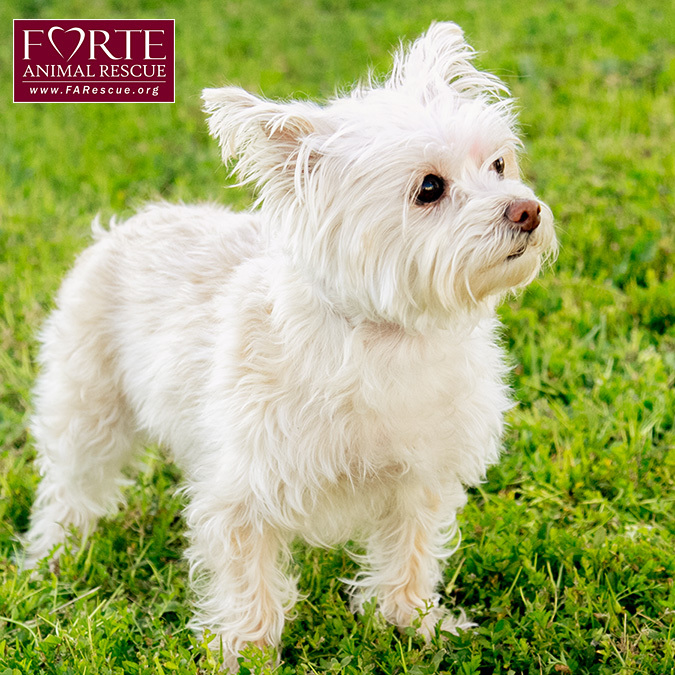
(112, 339)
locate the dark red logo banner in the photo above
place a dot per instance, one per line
(115, 60)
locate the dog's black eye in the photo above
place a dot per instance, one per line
(431, 190)
(498, 166)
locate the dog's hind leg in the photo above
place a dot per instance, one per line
(82, 427)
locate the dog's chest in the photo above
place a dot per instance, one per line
(373, 400)
(419, 395)
(397, 411)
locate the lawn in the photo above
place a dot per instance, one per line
(567, 561)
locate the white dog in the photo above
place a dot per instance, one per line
(324, 367)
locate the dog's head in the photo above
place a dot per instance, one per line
(402, 199)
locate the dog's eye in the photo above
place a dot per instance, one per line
(431, 190)
(498, 166)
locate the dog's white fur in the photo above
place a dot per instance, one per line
(324, 367)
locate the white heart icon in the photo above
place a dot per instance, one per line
(51, 39)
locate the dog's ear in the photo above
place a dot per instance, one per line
(439, 59)
(265, 135)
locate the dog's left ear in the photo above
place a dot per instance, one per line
(439, 59)
(267, 137)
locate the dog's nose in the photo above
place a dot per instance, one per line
(525, 213)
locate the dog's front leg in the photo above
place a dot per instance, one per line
(405, 556)
(237, 566)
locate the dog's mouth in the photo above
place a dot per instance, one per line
(517, 254)
(520, 250)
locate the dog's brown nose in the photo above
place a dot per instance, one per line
(525, 213)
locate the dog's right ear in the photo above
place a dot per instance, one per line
(265, 135)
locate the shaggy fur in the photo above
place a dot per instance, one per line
(325, 366)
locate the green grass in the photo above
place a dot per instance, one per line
(568, 556)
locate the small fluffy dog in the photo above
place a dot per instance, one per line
(323, 367)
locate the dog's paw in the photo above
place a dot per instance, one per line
(452, 624)
(449, 623)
